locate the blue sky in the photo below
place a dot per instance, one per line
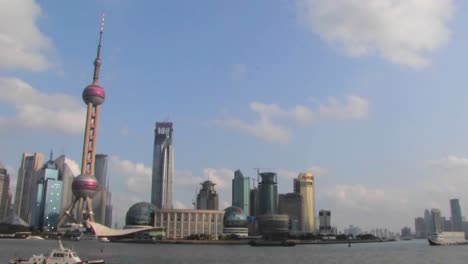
(369, 95)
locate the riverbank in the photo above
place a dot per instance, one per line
(246, 242)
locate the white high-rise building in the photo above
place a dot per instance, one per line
(305, 186)
(162, 186)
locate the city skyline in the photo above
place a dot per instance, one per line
(379, 118)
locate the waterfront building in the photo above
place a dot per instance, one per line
(420, 227)
(456, 215)
(102, 201)
(291, 204)
(85, 186)
(307, 191)
(268, 193)
(235, 222)
(162, 188)
(446, 224)
(182, 223)
(48, 198)
(207, 198)
(428, 222)
(4, 192)
(436, 221)
(254, 202)
(241, 191)
(274, 226)
(406, 232)
(26, 185)
(325, 222)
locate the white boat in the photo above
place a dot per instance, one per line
(35, 238)
(59, 255)
(447, 238)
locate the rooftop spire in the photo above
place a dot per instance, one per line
(98, 61)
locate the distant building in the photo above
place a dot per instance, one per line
(455, 210)
(446, 224)
(48, 198)
(406, 232)
(306, 189)
(207, 198)
(428, 222)
(26, 185)
(268, 193)
(67, 172)
(254, 202)
(241, 191)
(162, 185)
(291, 204)
(182, 223)
(420, 227)
(235, 222)
(4, 189)
(436, 221)
(325, 222)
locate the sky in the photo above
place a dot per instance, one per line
(368, 95)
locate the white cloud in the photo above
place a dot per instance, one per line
(22, 44)
(180, 205)
(36, 109)
(451, 162)
(318, 171)
(401, 31)
(221, 177)
(73, 165)
(269, 129)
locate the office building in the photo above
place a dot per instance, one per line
(406, 232)
(268, 193)
(4, 192)
(420, 227)
(291, 204)
(48, 198)
(241, 191)
(85, 186)
(254, 202)
(182, 223)
(325, 222)
(67, 172)
(26, 185)
(306, 190)
(162, 188)
(207, 198)
(101, 200)
(428, 222)
(436, 221)
(455, 210)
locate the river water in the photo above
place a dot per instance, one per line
(411, 252)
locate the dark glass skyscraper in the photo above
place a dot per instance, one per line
(457, 222)
(163, 166)
(241, 191)
(268, 192)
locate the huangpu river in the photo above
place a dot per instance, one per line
(411, 252)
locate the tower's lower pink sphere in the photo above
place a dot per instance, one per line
(94, 94)
(85, 186)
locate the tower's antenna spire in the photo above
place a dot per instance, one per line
(98, 61)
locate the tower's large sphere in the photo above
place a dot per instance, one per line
(234, 217)
(94, 94)
(85, 186)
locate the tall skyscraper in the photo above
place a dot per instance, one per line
(241, 191)
(67, 173)
(4, 189)
(101, 200)
(420, 227)
(428, 222)
(207, 198)
(436, 221)
(48, 198)
(26, 185)
(268, 193)
(457, 221)
(85, 186)
(254, 202)
(163, 166)
(306, 189)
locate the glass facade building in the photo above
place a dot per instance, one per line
(241, 191)
(268, 193)
(457, 221)
(162, 185)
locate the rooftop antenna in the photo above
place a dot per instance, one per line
(98, 61)
(51, 154)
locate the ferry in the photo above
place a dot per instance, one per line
(59, 255)
(447, 238)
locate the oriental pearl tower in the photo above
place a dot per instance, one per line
(85, 186)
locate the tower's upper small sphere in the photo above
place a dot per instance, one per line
(94, 94)
(85, 186)
(234, 217)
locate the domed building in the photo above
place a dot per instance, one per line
(235, 222)
(140, 214)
